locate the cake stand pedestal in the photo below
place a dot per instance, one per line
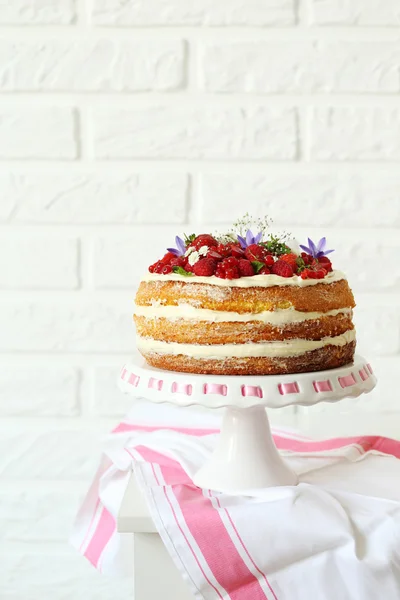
(246, 456)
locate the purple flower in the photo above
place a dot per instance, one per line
(250, 239)
(316, 250)
(180, 249)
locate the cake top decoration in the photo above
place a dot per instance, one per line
(241, 253)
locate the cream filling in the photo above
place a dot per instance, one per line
(274, 317)
(246, 282)
(271, 349)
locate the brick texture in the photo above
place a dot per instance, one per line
(356, 12)
(110, 66)
(101, 197)
(204, 132)
(125, 123)
(262, 67)
(37, 12)
(32, 133)
(190, 12)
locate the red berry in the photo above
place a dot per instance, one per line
(159, 267)
(232, 273)
(325, 263)
(166, 269)
(304, 274)
(188, 267)
(177, 261)
(204, 240)
(264, 271)
(220, 271)
(269, 260)
(231, 261)
(321, 273)
(255, 252)
(152, 267)
(224, 250)
(205, 267)
(212, 253)
(245, 268)
(167, 258)
(237, 251)
(308, 259)
(282, 268)
(291, 259)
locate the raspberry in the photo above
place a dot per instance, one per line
(264, 271)
(205, 267)
(255, 252)
(177, 261)
(166, 269)
(245, 268)
(291, 259)
(204, 240)
(282, 268)
(231, 261)
(220, 271)
(232, 273)
(304, 274)
(166, 259)
(188, 267)
(224, 250)
(269, 260)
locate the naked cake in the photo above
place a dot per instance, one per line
(244, 304)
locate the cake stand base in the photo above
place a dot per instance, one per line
(246, 456)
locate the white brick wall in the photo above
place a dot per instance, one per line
(124, 123)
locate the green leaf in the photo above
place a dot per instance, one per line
(181, 271)
(301, 265)
(257, 266)
(188, 239)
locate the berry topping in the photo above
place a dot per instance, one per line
(255, 252)
(205, 267)
(265, 271)
(291, 259)
(204, 240)
(245, 268)
(282, 268)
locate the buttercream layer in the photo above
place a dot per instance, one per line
(231, 332)
(280, 316)
(246, 282)
(328, 357)
(319, 298)
(273, 349)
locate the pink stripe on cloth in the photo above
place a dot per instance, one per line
(102, 535)
(368, 443)
(200, 516)
(244, 546)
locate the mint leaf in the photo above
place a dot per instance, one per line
(181, 271)
(257, 266)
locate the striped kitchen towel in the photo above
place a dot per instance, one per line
(335, 536)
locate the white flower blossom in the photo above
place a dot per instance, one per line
(203, 250)
(193, 258)
(189, 251)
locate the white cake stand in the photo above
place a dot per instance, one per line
(246, 456)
